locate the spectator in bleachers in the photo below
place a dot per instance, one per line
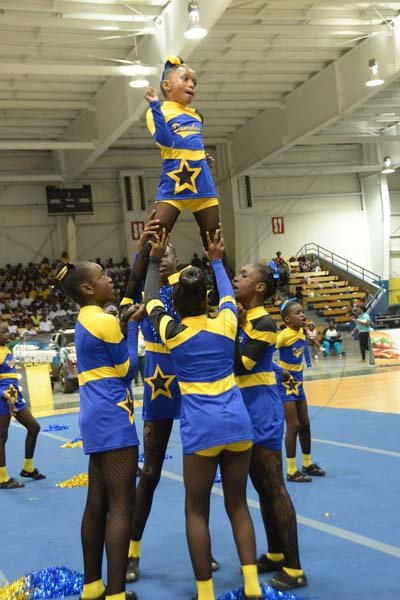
(273, 265)
(45, 325)
(331, 339)
(27, 294)
(314, 263)
(312, 335)
(304, 264)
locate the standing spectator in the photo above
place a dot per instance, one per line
(141, 359)
(196, 261)
(312, 335)
(275, 272)
(363, 325)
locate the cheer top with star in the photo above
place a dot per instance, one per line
(256, 379)
(9, 382)
(293, 349)
(106, 366)
(213, 412)
(161, 394)
(177, 130)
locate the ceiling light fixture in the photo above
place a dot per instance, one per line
(139, 81)
(388, 168)
(139, 75)
(374, 79)
(194, 31)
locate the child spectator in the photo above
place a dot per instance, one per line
(293, 348)
(312, 334)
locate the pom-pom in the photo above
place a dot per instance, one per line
(78, 444)
(14, 591)
(55, 427)
(81, 480)
(54, 582)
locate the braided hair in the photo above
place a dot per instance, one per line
(266, 277)
(70, 276)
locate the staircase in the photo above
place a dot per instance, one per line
(350, 282)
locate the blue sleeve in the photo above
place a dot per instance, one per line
(307, 354)
(276, 368)
(224, 285)
(132, 341)
(162, 134)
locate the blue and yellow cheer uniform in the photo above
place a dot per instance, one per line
(186, 180)
(293, 349)
(105, 370)
(8, 378)
(162, 396)
(256, 378)
(213, 413)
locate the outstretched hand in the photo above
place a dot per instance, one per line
(150, 94)
(135, 312)
(210, 160)
(159, 243)
(152, 226)
(216, 248)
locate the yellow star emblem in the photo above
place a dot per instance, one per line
(127, 405)
(292, 387)
(185, 177)
(160, 383)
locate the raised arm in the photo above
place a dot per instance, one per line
(166, 327)
(155, 120)
(138, 272)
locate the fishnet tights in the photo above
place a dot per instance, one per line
(155, 441)
(277, 509)
(199, 474)
(107, 515)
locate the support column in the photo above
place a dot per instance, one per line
(376, 201)
(71, 238)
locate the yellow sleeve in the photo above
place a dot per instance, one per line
(150, 121)
(281, 339)
(110, 330)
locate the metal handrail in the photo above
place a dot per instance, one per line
(340, 261)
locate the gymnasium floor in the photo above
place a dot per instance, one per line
(349, 523)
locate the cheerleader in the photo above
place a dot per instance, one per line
(186, 180)
(215, 425)
(256, 380)
(293, 349)
(161, 405)
(12, 404)
(106, 367)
